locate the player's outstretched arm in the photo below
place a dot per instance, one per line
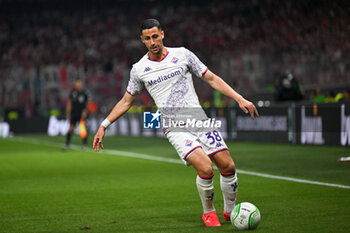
(218, 84)
(119, 109)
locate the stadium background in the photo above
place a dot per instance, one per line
(46, 45)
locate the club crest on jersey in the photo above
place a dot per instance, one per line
(218, 144)
(174, 60)
(188, 143)
(146, 69)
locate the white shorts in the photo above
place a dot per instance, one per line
(185, 141)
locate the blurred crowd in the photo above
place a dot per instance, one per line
(319, 96)
(249, 43)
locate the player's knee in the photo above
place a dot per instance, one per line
(228, 168)
(206, 170)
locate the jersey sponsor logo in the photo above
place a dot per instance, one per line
(170, 75)
(174, 60)
(151, 120)
(146, 69)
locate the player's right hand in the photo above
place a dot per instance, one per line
(98, 139)
(248, 107)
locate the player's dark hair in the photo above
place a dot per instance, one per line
(150, 23)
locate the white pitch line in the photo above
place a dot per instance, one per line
(293, 179)
(177, 161)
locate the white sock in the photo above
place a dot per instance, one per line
(205, 188)
(229, 186)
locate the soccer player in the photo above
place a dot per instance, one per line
(76, 109)
(167, 75)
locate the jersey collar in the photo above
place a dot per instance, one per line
(160, 59)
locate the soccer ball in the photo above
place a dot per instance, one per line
(245, 216)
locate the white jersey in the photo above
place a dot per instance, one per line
(169, 82)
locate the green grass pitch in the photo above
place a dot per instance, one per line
(43, 189)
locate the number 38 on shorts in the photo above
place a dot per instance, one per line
(213, 136)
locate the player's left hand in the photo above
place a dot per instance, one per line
(248, 107)
(98, 139)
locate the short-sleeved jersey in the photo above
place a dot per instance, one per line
(169, 82)
(78, 99)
